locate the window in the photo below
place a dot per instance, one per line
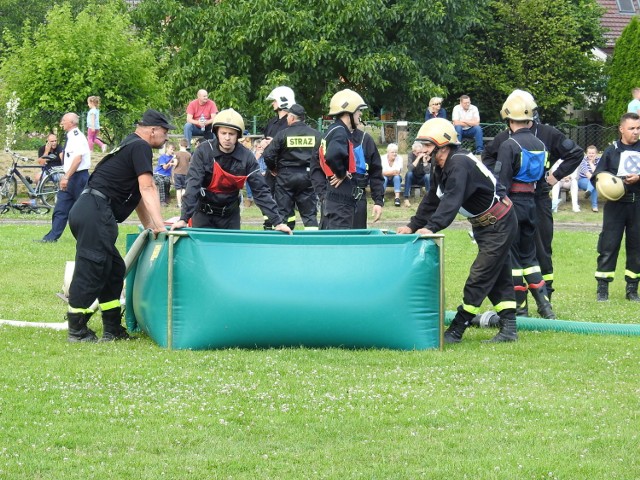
(626, 6)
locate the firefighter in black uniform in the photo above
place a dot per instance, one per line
(622, 210)
(365, 145)
(121, 182)
(460, 183)
(559, 147)
(288, 156)
(281, 99)
(519, 166)
(339, 172)
(217, 173)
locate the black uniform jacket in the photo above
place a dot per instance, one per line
(610, 162)
(509, 162)
(292, 147)
(240, 162)
(558, 146)
(275, 125)
(374, 164)
(462, 182)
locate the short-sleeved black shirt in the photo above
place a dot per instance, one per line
(52, 163)
(116, 176)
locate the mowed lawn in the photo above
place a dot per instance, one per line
(551, 406)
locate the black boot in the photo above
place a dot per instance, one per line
(78, 331)
(113, 330)
(522, 306)
(602, 294)
(459, 324)
(632, 292)
(508, 330)
(544, 307)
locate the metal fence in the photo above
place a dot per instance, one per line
(116, 125)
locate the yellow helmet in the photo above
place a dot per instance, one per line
(346, 101)
(609, 186)
(229, 118)
(438, 131)
(517, 107)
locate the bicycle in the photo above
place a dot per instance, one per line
(46, 190)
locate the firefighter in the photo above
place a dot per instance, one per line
(281, 99)
(519, 166)
(460, 183)
(365, 146)
(217, 173)
(559, 147)
(616, 178)
(288, 157)
(340, 169)
(121, 182)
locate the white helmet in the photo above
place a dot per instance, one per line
(283, 96)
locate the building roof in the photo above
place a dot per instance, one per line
(614, 21)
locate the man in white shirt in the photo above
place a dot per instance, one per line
(76, 163)
(466, 120)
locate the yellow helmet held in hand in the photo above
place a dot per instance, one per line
(609, 186)
(346, 101)
(229, 118)
(517, 107)
(438, 131)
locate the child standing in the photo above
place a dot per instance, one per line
(93, 123)
(162, 174)
(180, 171)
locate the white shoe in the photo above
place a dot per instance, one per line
(576, 209)
(407, 203)
(104, 148)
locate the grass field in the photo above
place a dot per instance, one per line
(551, 406)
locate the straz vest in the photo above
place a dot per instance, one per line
(352, 156)
(532, 164)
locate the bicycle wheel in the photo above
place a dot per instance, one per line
(8, 189)
(48, 190)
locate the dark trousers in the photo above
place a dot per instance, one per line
(227, 222)
(544, 231)
(523, 250)
(619, 218)
(64, 202)
(293, 189)
(490, 273)
(339, 207)
(99, 271)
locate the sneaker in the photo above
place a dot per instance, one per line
(396, 202)
(45, 240)
(407, 203)
(594, 209)
(104, 148)
(576, 209)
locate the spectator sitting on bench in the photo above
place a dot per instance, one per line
(585, 170)
(569, 183)
(391, 170)
(418, 171)
(435, 109)
(466, 120)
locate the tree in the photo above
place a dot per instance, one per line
(623, 72)
(542, 46)
(55, 68)
(395, 53)
(14, 14)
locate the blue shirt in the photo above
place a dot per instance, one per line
(160, 170)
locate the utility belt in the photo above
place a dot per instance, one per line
(517, 187)
(96, 193)
(209, 208)
(361, 180)
(344, 198)
(491, 216)
(295, 168)
(629, 198)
